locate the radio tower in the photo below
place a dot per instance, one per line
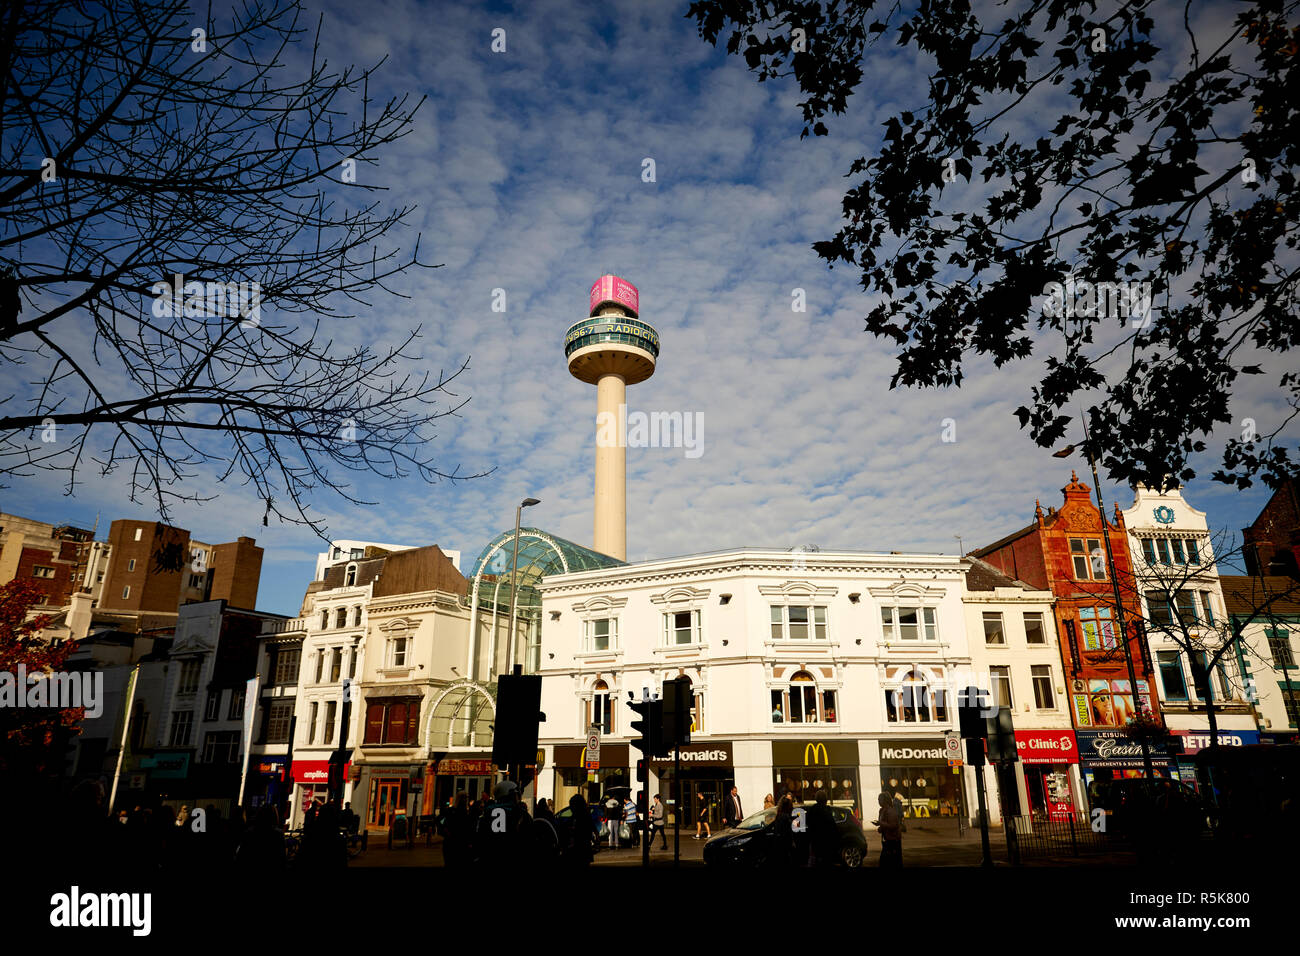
(611, 349)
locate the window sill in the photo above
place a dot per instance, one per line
(673, 648)
(912, 645)
(799, 643)
(587, 655)
(388, 673)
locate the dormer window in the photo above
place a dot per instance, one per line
(350, 578)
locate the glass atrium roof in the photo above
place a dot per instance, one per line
(540, 554)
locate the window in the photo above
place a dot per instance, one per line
(350, 578)
(993, 628)
(1279, 646)
(196, 580)
(130, 565)
(320, 664)
(213, 708)
(1162, 545)
(236, 711)
(908, 623)
(356, 616)
(1201, 659)
(126, 592)
(1149, 550)
(1208, 607)
(352, 664)
(182, 721)
(601, 713)
(138, 532)
(393, 722)
(913, 701)
(1089, 561)
(799, 702)
(357, 553)
(397, 649)
(1034, 632)
(324, 620)
(311, 724)
(286, 665)
(277, 725)
(1171, 674)
(1000, 677)
(1185, 604)
(796, 622)
(602, 634)
(341, 617)
(1159, 611)
(189, 680)
(1179, 556)
(221, 747)
(42, 572)
(1098, 628)
(681, 627)
(336, 665)
(1193, 553)
(1289, 695)
(1041, 674)
(331, 713)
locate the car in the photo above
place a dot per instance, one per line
(749, 842)
(1130, 805)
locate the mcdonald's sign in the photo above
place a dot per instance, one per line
(814, 755)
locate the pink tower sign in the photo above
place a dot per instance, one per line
(612, 289)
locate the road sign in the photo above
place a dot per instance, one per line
(952, 745)
(593, 764)
(592, 757)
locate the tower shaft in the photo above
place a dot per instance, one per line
(610, 529)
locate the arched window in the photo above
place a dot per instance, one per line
(601, 713)
(356, 616)
(350, 578)
(324, 620)
(914, 702)
(341, 617)
(800, 703)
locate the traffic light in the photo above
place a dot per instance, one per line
(678, 700)
(972, 707)
(649, 730)
(640, 771)
(514, 732)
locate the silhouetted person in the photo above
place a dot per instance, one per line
(262, 846)
(578, 848)
(456, 834)
(823, 835)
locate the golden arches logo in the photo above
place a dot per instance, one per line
(813, 750)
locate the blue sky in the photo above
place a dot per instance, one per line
(526, 167)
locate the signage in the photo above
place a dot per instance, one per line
(637, 330)
(317, 771)
(1111, 748)
(541, 759)
(952, 746)
(914, 751)
(1196, 740)
(615, 290)
(713, 754)
(473, 767)
(167, 766)
(814, 753)
(591, 760)
(1047, 746)
(593, 764)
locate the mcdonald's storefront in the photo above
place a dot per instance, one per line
(917, 772)
(802, 767)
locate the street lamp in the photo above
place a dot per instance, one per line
(514, 573)
(1114, 580)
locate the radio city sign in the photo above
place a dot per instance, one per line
(1046, 746)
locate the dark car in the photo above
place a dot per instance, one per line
(749, 842)
(1133, 805)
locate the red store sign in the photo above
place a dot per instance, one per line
(315, 771)
(1046, 746)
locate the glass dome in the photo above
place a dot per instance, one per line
(540, 554)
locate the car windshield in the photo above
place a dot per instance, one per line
(756, 821)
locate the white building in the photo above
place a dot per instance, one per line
(1267, 610)
(1016, 655)
(813, 670)
(1178, 583)
(347, 549)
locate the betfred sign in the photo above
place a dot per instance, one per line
(1195, 741)
(1046, 746)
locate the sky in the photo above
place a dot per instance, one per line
(527, 170)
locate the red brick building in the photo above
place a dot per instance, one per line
(1064, 552)
(1271, 545)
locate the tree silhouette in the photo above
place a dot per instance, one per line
(1140, 154)
(180, 233)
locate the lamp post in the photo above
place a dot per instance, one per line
(514, 573)
(1114, 580)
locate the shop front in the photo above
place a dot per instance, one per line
(1049, 760)
(916, 771)
(572, 775)
(311, 780)
(706, 778)
(1111, 755)
(472, 776)
(1191, 742)
(266, 782)
(801, 767)
(392, 790)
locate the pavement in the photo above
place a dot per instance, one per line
(924, 845)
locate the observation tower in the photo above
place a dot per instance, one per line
(611, 349)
